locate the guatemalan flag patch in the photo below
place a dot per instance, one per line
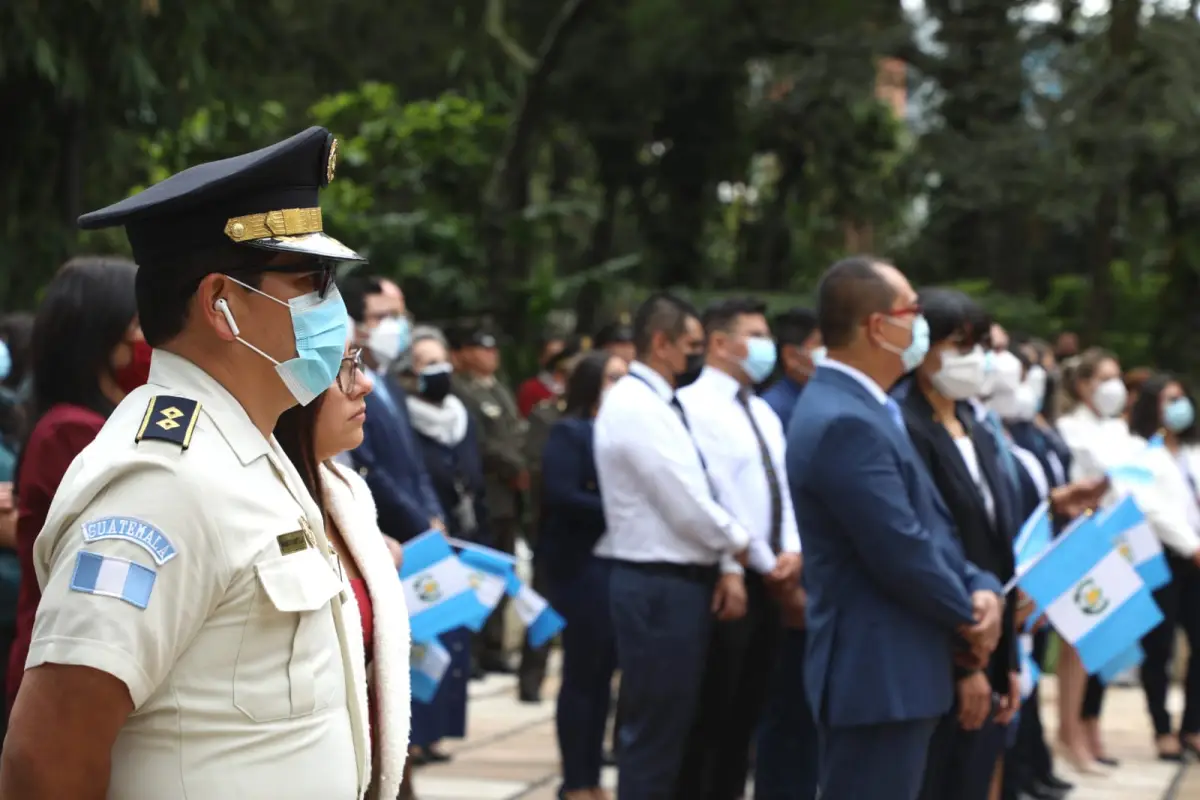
(113, 577)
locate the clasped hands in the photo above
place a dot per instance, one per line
(984, 634)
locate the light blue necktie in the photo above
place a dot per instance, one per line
(996, 428)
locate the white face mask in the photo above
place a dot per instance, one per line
(961, 374)
(1036, 378)
(1025, 403)
(1007, 371)
(1109, 398)
(388, 340)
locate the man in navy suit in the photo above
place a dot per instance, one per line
(890, 593)
(388, 457)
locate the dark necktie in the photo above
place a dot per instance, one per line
(776, 540)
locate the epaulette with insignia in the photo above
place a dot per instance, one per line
(169, 419)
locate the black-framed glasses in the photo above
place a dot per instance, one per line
(352, 365)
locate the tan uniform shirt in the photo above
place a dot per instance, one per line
(239, 662)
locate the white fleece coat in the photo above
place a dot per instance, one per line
(352, 508)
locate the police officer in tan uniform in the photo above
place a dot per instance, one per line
(502, 445)
(192, 640)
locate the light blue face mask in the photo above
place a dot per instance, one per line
(321, 328)
(5, 361)
(818, 355)
(912, 356)
(760, 358)
(1179, 415)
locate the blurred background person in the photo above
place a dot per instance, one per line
(571, 522)
(447, 439)
(311, 436)
(546, 385)
(1165, 408)
(501, 434)
(87, 353)
(1133, 379)
(964, 461)
(532, 671)
(388, 457)
(1094, 398)
(798, 343)
(617, 338)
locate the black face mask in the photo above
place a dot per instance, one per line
(691, 371)
(434, 384)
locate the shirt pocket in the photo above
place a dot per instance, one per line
(289, 659)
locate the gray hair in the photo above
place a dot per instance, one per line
(420, 333)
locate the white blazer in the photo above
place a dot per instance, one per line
(352, 508)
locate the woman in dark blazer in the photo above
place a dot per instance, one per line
(572, 521)
(446, 438)
(964, 462)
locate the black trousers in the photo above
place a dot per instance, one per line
(1179, 601)
(1093, 698)
(741, 657)
(1029, 761)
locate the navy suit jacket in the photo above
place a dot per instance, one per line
(572, 518)
(781, 397)
(886, 577)
(393, 467)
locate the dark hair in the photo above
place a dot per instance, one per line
(794, 326)
(660, 313)
(354, 290)
(296, 432)
(165, 286)
(1145, 415)
(849, 291)
(84, 315)
(724, 314)
(951, 313)
(583, 387)
(981, 323)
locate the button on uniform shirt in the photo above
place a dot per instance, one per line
(658, 504)
(718, 412)
(202, 579)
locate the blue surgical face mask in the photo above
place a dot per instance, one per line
(1179, 415)
(818, 355)
(5, 361)
(321, 327)
(760, 358)
(912, 356)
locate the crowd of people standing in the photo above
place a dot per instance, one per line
(780, 543)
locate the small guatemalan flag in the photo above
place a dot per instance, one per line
(113, 577)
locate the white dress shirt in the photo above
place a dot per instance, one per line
(722, 430)
(658, 505)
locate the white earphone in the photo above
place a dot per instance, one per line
(223, 307)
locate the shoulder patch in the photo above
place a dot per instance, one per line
(143, 534)
(169, 419)
(113, 577)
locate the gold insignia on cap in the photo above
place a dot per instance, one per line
(624, 318)
(585, 343)
(273, 224)
(331, 167)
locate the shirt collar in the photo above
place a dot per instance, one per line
(718, 382)
(178, 375)
(657, 382)
(867, 383)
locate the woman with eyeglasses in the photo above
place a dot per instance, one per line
(1164, 419)
(367, 561)
(447, 439)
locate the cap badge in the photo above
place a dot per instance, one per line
(331, 166)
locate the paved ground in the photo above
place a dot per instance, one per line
(511, 754)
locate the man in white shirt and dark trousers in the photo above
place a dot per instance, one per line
(670, 542)
(742, 443)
